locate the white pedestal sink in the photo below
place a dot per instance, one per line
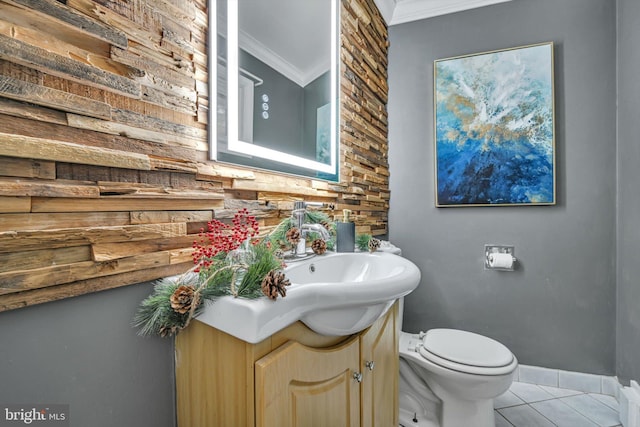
(333, 294)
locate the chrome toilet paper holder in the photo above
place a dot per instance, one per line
(489, 250)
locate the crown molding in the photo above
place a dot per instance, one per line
(401, 11)
(386, 8)
(262, 52)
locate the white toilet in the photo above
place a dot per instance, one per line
(449, 378)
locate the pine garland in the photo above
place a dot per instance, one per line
(155, 315)
(362, 241)
(278, 235)
(263, 263)
(227, 263)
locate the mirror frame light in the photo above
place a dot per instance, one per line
(234, 144)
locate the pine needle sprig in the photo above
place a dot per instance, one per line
(263, 263)
(155, 311)
(362, 241)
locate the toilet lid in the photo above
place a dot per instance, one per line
(466, 348)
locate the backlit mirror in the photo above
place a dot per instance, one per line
(274, 85)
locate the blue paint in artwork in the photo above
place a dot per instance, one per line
(494, 128)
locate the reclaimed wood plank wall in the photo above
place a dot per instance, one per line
(104, 176)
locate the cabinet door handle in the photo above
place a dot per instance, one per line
(357, 376)
(370, 364)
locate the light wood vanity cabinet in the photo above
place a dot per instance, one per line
(295, 378)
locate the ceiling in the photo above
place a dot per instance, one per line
(401, 11)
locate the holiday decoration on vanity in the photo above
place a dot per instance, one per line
(293, 236)
(286, 235)
(229, 260)
(275, 283)
(319, 246)
(366, 242)
(373, 245)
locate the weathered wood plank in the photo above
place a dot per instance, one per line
(11, 241)
(32, 187)
(149, 65)
(172, 41)
(183, 11)
(15, 261)
(282, 186)
(40, 95)
(75, 20)
(47, 221)
(27, 168)
(115, 204)
(187, 94)
(153, 217)
(20, 126)
(146, 121)
(163, 164)
(124, 19)
(161, 98)
(22, 24)
(54, 293)
(135, 190)
(31, 56)
(180, 256)
(213, 171)
(161, 56)
(10, 107)
(49, 149)
(59, 40)
(55, 275)
(111, 251)
(114, 128)
(15, 204)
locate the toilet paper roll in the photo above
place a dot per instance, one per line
(499, 260)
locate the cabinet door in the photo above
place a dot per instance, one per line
(301, 386)
(380, 373)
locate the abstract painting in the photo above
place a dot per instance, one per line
(494, 128)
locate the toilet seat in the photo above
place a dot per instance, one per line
(466, 352)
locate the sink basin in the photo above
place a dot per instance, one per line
(333, 294)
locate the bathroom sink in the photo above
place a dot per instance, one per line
(333, 294)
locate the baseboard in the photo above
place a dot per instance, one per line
(589, 383)
(630, 405)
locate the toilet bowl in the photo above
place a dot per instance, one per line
(464, 370)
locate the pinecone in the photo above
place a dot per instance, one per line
(183, 299)
(293, 236)
(319, 246)
(373, 245)
(274, 283)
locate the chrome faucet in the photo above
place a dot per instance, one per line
(298, 214)
(315, 228)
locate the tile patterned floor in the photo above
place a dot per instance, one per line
(531, 405)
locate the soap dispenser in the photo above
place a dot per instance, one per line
(345, 233)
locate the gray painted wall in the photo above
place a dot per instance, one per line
(558, 309)
(83, 352)
(628, 338)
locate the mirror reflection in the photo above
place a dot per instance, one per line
(277, 68)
